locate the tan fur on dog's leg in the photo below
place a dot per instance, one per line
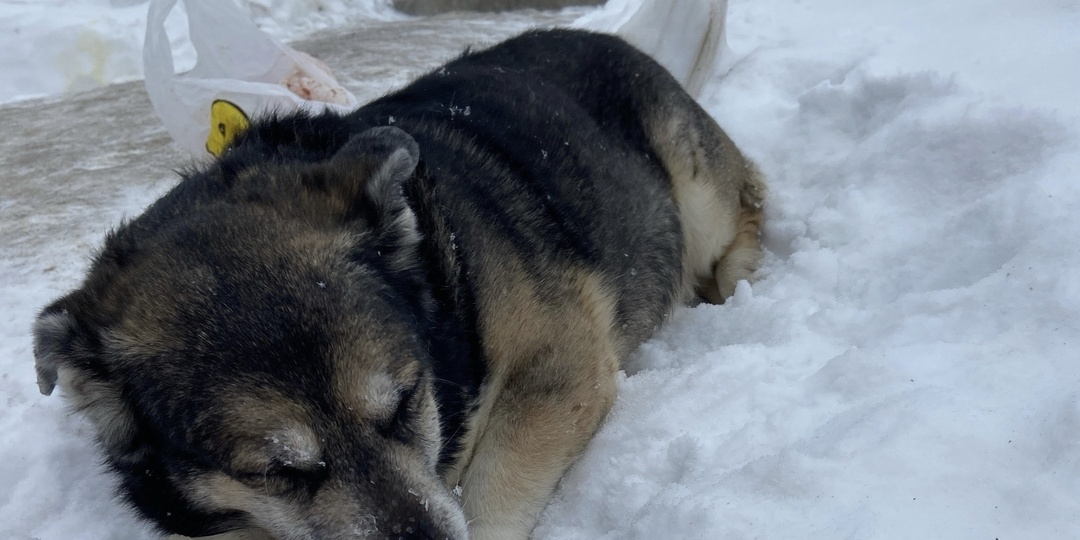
(526, 447)
(554, 364)
(739, 261)
(720, 194)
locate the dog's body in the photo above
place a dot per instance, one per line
(342, 319)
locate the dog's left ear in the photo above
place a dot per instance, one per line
(389, 156)
(367, 177)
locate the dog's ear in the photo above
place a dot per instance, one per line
(58, 343)
(389, 157)
(367, 177)
(67, 353)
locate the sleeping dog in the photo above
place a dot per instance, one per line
(406, 321)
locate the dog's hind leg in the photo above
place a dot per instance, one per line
(720, 194)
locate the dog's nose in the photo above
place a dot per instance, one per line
(427, 530)
(420, 529)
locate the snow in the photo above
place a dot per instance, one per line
(905, 368)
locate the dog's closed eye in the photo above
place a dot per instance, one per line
(293, 455)
(398, 424)
(278, 478)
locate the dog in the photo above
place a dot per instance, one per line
(406, 321)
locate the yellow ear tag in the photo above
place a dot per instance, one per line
(227, 121)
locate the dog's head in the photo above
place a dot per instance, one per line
(249, 352)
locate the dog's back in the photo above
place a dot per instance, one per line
(604, 196)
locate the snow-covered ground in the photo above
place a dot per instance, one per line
(905, 368)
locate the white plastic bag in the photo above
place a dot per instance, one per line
(240, 72)
(685, 36)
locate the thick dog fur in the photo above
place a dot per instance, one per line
(405, 322)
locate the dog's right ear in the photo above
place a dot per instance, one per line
(58, 343)
(67, 353)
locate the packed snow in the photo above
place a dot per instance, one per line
(904, 368)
